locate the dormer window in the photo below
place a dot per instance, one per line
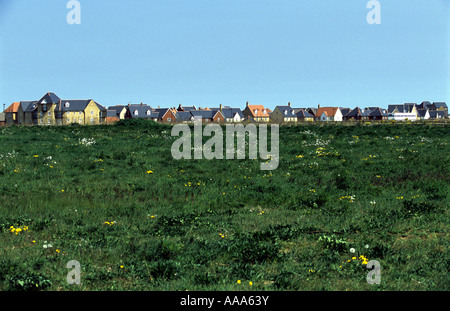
(255, 111)
(285, 112)
(264, 111)
(136, 112)
(67, 105)
(148, 112)
(44, 101)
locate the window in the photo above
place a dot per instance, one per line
(79, 114)
(79, 120)
(49, 121)
(264, 111)
(148, 112)
(49, 113)
(169, 119)
(136, 113)
(92, 112)
(255, 112)
(67, 105)
(68, 120)
(92, 120)
(285, 112)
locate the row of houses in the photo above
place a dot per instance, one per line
(52, 110)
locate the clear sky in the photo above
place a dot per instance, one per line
(210, 52)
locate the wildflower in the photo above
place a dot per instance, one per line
(121, 266)
(352, 250)
(36, 156)
(58, 251)
(250, 283)
(238, 281)
(150, 172)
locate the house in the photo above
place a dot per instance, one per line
(374, 114)
(208, 115)
(26, 114)
(437, 114)
(118, 111)
(329, 114)
(354, 115)
(11, 113)
(284, 114)
(345, 111)
(84, 111)
(423, 114)
(2, 119)
(304, 116)
(401, 112)
(257, 113)
(165, 115)
(52, 110)
(231, 115)
(184, 117)
(441, 106)
(141, 112)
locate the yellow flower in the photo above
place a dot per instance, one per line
(250, 283)
(58, 251)
(238, 281)
(35, 156)
(121, 267)
(150, 172)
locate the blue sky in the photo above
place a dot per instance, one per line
(210, 52)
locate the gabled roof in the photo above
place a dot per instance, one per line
(287, 111)
(422, 112)
(49, 98)
(304, 114)
(231, 112)
(204, 114)
(28, 106)
(257, 111)
(139, 112)
(329, 111)
(72, 105)
(356, 112)
(14, 107)
(376, 112)
(184, 116)
(440, 104)
(345, 111)
(162, 112)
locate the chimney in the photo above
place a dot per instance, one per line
(318, 106)
(289, 104)
(220, 107)
(246, 104)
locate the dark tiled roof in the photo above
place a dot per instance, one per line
(304, 114)
(231, 112)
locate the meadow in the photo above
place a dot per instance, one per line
(113, 198)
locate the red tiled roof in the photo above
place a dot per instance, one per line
(14, 107)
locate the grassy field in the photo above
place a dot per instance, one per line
(114, 199)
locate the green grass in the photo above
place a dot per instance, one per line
(204, 225)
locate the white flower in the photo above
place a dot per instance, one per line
(352, 250)
(366, 246)
(44, 246)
